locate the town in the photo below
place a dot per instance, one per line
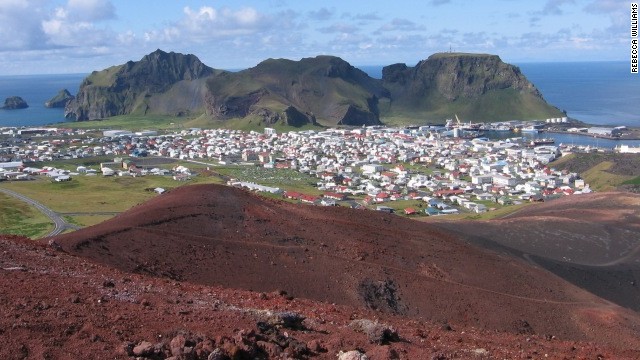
(412, 171)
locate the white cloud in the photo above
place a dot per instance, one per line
(90, 10)
(20, 24)
(75, 24)
(208, 23)
(34, 25)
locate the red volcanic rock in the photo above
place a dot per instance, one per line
(40, 319)
(220, 236)
(591, 240)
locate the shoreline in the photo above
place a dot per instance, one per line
(634, 136)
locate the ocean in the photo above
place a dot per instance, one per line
(603, 93)
(35, 90)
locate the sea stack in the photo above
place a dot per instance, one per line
(60, 100)
(14, 102)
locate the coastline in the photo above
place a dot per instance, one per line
(633, 135)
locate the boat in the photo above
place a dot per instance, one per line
(545, 141)
(530, 129)
(501, 128)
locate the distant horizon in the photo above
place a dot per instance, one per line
(354, 65)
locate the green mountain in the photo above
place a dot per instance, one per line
(324, 89)
(160, 83)
(476, 87)
(60, 100)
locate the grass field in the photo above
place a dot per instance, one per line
(173, 123)
(91, 194)
(489, 215)
(88, 194)
(18, 218)
(600, 178)
(88, 220)
(634, 181)
(131, 122)
(602, 171)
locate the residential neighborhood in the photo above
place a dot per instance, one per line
(369, 167)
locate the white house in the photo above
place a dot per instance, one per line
(504, 180)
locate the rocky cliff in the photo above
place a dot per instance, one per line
(323, 89)
(60, 100)
(14, 102)
(475, 86)
(128, 88)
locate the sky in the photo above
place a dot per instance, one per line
(79, 36)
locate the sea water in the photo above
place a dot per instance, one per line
(603, 93)
(35, 90)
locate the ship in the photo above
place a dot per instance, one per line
(530, 129)
(544, 141)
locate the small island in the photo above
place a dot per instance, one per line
(14, 102)
(60, 100)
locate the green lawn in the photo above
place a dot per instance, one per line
(131, 122)
(18, 218)
(97, 193)
(400, 205)
(635, 181)
(600, 178)
(160, 122)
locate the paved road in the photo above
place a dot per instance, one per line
(60, 224)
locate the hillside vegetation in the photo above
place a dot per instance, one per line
(604, 171)
(323, 90)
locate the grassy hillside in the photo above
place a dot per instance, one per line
(604, 171)
(323, 89)
(18, 218)
(104, 78)
(499, 105)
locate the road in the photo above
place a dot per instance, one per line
(59, 222)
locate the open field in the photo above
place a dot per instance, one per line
(499, 212)
(84, 195)
(160, 122)
(91, 193)
(18, 218)
(603, 172)
(87, 220)
(130, 122)
(601, 178)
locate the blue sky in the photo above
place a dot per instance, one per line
(79, 36)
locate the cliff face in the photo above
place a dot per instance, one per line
(324, 87)
(477, 86)
(60, 100)
(128, 88)
(14, 103)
